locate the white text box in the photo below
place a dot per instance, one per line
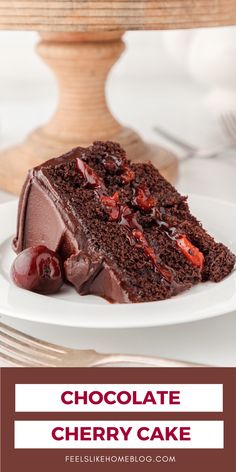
(128, 434)
(62, 397)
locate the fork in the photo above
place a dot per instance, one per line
(192, 151)
(228, 122)
(21, 350)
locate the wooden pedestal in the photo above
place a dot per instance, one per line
(81, 62)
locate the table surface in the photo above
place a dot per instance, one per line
(209, 341)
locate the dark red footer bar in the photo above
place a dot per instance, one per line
(24, 429)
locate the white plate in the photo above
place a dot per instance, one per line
(70, 309)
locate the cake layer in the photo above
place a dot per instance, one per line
(123, 231)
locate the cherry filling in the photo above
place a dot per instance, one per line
(128, 175)
(111, 204)
(190, 251)
(110, 201)
(92, 180)
(143, 198)
(112, 163)
(118, 212)
(128, 219)
(124, 216)
(143, 244)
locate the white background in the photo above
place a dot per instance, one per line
(148, 86)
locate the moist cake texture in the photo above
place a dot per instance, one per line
(124, 233)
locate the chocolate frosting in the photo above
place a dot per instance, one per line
(91, 275)
(43, 219)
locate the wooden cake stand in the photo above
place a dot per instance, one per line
(80, 41)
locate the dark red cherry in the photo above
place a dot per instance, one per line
(38, 269)
(143, 199)
(190, 251)
(128, 218)
(112, 201)
(112, 205)
(128, 175)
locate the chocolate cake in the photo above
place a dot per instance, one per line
(123, 232)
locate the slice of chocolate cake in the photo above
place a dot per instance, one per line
(123, 232)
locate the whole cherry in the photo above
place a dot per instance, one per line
(38, 269)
